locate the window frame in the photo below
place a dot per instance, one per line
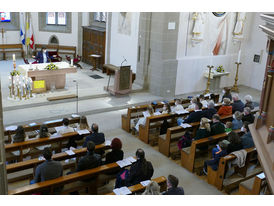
(43, 26)
(56, 23)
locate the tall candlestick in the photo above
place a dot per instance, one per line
(239, 56)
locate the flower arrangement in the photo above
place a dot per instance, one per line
(51, 66)
(15, 73)
(220, 69)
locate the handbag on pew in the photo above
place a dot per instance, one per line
(184, 141)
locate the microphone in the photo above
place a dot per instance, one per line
(123, 60)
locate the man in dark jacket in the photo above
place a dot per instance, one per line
(210, 111)
(237, 105)
(95, 137)
(172, 186)
(140, 170)
(90, 160)
(49, 169)
(217, 127)
(248, 116)
(196, 115)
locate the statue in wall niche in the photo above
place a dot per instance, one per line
(198, 28)
(239, 26)
(124, 23)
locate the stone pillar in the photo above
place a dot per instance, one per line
(3, 171)
(80, 34)
(157, 64)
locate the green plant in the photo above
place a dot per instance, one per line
(51, 66)
(15, 73)
(220, 69)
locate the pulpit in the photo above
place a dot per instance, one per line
(122, 81)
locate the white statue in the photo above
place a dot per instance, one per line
(198, 28)
(238, 30)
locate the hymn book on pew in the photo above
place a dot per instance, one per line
(126, 162)
(185, 125)
(11, 128)
(83, 131)
(145, 183)
(122, 191)
(107, 142)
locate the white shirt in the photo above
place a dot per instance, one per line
(177, 108)
(45, 59)
(65, 129)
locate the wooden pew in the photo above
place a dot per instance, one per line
(38, 142)
(53, 123)
(252, 186)
(138, 188)
(134, 112)
(174, 133)
(217, 178)
(68, 181)
(11, 48)
(152, 120)
(69, 50)
(189, 154)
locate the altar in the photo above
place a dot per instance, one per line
(215, 79)
(53, 78)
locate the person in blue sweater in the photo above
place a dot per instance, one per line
(237, 120)
(247, 140)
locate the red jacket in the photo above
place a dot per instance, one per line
(225, 110)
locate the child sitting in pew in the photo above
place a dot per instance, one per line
(43, 133)
(20, 136)
(142, 120)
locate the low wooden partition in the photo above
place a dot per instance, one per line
(138, 188)
(71, 182)
(11, 48)
(217, 178)
(253, 186)
(69, 50)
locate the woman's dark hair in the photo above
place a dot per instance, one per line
(66, 121)
(227, 91)
(140, 154)
(234, 138)
(43, 131)
(168, 107)
(116, 144)
(20, 133)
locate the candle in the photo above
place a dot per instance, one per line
(239, 56)
(13, 57)
(71, 62)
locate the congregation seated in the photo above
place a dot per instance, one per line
(247, 115)
(247, 140)
(196, 115)
(226, 108)
(165, 124)
(142, 120)
(43, 133)
(49, 169)
(237, 104)
(152, 189)
(248, 102)
(140, 170)
(217, 126)
(178, 106)
(226, 94)
(65, 128)
(217, 152)
(235, 142)
(95, 136)
(117, 153)
(172, 186)
(228, 126)
(20, 136)
(204, 129)
(237, 120)
(203, 101)
(210, 111)
(90, 160)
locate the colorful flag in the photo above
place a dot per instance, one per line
(22, 28)
(29, 32)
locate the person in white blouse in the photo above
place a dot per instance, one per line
(203, 101)
(178, 106)
(148, 113)
(193, 103)
(65, 128)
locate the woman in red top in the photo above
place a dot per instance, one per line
(226, 109)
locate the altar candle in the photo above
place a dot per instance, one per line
(13, 57)
(239, 56)
(71, 62)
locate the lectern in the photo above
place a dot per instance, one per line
(122, 81)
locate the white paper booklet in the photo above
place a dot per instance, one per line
(185, 125)
(122, 191)
(83, 131)
(145, 183)
(59, 128)
(70, 152)
(75, 115)
(181, 112)
(107, 142)
(41, 158)
(146, 114)
(131, 159)
(11, 128)
(157, 113)
(123, 163)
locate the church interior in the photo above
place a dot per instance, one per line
(78, 85)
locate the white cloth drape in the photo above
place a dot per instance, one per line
(198, 28)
